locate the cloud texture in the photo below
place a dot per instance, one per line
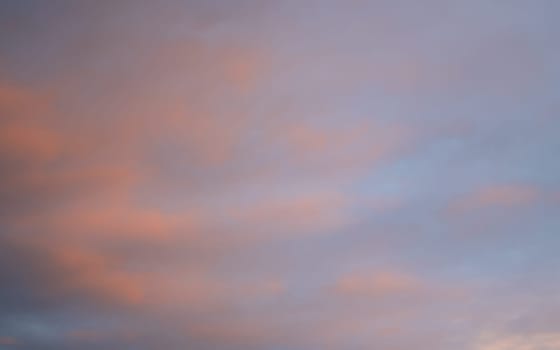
(279, 175)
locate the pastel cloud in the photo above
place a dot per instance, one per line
(498, 196)
(243, 333)
(269, 175)
(50, 273)
(29, 142)
(354, 146)
(17, 102)
(303, 213)
(115, 221)
(544, 341)
(381, 284)
(8, 341)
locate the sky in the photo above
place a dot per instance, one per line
(279, 175)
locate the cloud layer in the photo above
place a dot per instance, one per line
(279, 175)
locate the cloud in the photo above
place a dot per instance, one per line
(240, 175)
(8, 341)
(113, 221)
(251, 333)
(380, 284)
(383, 288)
(537, 341)
(25, 135)
(291, 215)
(40, 274)
(244, 68)
(28, 142)
(19, 102)
(503, 195)
(336, 148)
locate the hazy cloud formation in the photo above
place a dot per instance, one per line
(279, 175)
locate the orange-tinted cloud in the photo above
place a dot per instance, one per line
(24, 141)
(116, 221)
(243, 68)
(505, 341)
(57, 271)
(17, 102)
(88, 272)
(355, 145)
(25, 133)
(85, 336)
(286, 215)
(197, 172)
(388, 284)
(248, 332)
(8, 341)
(496, 196)
(379, 284)
(205, 139)
(201, 289)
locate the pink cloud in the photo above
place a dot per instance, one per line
(115, 221)
(25, 141)
(511, 341)
(89, 272)
(247, 333)
(17, 102)
(387, 284)
(57, 270)
(378, 284)
(302, 213)
(496, 196)
(354, 144)
(8, 341)
(243, 68)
